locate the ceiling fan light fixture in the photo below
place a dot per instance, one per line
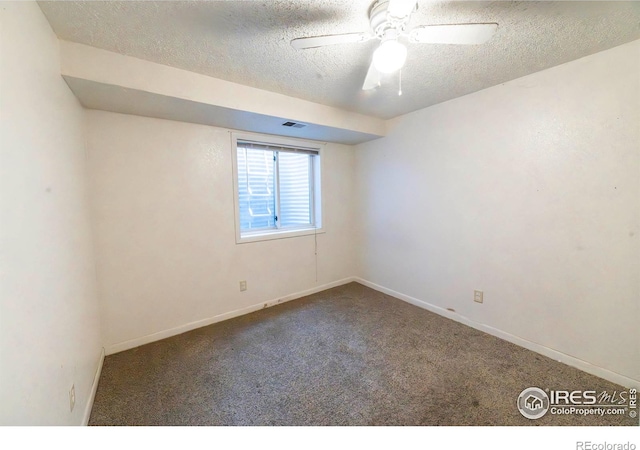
(389, 56)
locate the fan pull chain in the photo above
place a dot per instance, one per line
(400, 82)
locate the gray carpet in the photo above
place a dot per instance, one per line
(346, 356)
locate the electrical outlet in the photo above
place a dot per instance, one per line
(477, 296)
(243, 285)
(72, 397)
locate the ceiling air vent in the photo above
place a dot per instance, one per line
(294, 124)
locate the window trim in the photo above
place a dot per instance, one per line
(318, 198)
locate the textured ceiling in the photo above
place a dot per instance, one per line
(247, 42)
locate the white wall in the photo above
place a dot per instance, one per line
(162, 199)
(49, 325)
(528, 191)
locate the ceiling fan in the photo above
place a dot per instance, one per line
(389, 20)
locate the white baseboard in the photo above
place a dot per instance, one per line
(529, 345)
(94, 388)
(127, 345)
(533, 346)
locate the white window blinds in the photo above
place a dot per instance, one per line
(275, 186)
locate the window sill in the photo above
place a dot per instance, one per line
(271, 235)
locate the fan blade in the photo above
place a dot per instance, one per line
(372, 80)
(321, 41)
(466, 33)
(401, 8)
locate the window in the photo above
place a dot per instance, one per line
(277, 189)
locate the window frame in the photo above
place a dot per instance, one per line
(317, 198)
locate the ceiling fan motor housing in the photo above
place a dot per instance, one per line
(389, 22)
(381, 21)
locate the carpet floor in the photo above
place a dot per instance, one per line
(345, 356)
